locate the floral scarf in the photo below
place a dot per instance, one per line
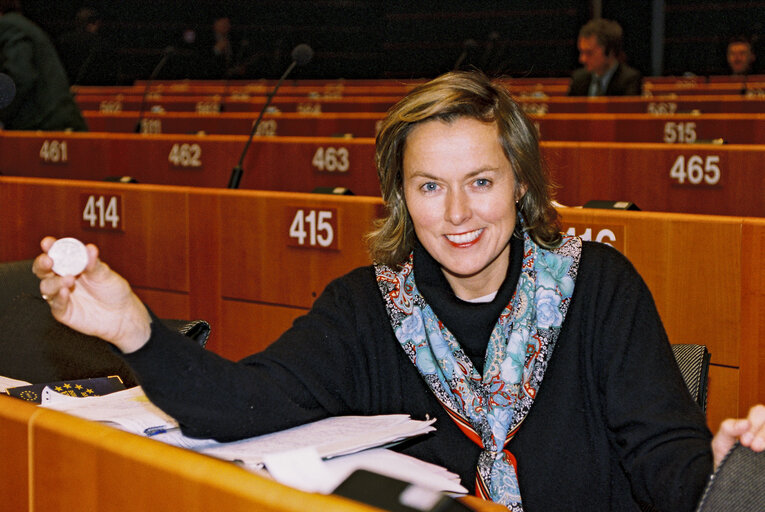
(489, 408)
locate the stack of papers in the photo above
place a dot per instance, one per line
(313, 457)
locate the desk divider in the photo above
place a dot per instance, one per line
(688, 178)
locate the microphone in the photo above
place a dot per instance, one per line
(301, 55)
(7, 90)
(166, 53)
(467, 45)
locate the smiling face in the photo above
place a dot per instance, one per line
(460, 191)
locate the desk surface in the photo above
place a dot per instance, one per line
(74, 464)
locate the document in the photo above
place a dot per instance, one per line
(320, 449)
(7, 382)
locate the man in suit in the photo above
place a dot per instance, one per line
(603, 74)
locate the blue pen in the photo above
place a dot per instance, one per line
(160, 429)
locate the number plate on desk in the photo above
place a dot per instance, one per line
(312, 227)
(610, 234)
(101, 211)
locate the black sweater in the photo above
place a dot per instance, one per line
(612, 423)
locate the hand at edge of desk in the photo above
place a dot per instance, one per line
(749, 431)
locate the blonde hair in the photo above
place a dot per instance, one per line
(447, 98)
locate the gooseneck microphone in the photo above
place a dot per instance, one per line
(166, 53)
(7, 90)
(301, 55)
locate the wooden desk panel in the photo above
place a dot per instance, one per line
(151, 223)
(15, 414)
(689, 178)
(81, 465)
(284, 163)
(753, 312)
(670, 129)
(238, 123)
(681, 259)
(170, 103)
(657, 104)
(256, 242)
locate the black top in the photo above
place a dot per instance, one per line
(612, 422)
(626, 81)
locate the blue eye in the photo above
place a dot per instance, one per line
(429, 187)
(482, 182)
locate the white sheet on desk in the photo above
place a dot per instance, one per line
(305, 470)
(331, 437)
(7, 382)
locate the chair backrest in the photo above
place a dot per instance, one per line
(693, 361)
(737, 484)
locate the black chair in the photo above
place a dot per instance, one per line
(693, 361)
(36, 348)
(737, 484)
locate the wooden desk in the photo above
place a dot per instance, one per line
(657, 104)
(227, 256)
(689, 178)
(334, 124)
(667, 128)
(74, 464)
(240, 103)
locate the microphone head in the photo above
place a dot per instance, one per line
(7, 90)
(302, 54)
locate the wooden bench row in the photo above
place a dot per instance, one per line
(532, 103)
(54, 462)
(667, 128)
(251, 261)
(335, 88)
(688, 178)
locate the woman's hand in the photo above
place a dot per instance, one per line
(750, 431)
(98, 302)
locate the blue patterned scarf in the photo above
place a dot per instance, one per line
(489, 408)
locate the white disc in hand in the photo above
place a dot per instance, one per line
(69, 255)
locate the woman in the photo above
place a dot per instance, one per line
(542, 356)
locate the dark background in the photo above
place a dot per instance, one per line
(409, 39)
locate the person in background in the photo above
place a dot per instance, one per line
(85, 54)
(43, 100)
(604, 72)
(224, 55)
(542, 356)
(740, 56)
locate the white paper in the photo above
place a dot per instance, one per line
(303, 469)
(129, 409)
(7, 382)
(330, 437)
